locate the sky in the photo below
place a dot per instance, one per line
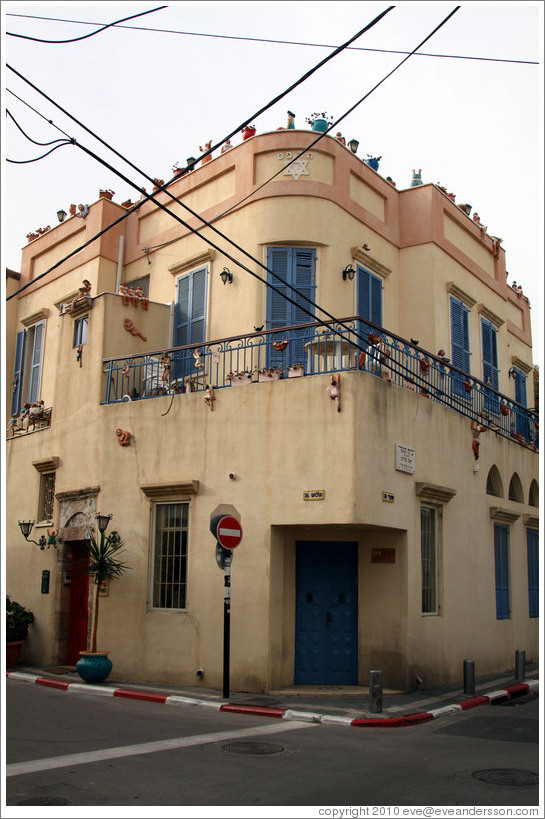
(474, 126)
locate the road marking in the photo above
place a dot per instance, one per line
(68, 761)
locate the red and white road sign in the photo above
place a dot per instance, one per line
(229, 532)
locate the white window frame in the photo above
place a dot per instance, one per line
(155, 559)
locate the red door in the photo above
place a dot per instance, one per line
(77, 610)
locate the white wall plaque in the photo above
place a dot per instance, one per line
(405, 458)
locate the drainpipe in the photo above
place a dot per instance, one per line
(119, 263)
(172, 320)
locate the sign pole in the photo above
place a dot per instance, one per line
(226, 624)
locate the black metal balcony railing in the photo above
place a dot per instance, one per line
(318, 348)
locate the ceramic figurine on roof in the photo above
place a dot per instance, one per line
(207, 146)
(291, 120)
(417, 178)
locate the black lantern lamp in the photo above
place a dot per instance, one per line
(102, 522)
(226, 275)
(61, 215)
(348, 272)
(26, 529)
(353, 145)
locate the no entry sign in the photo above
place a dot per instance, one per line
(228, 532)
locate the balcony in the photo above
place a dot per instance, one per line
(315, 349)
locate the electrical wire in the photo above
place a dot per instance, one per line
(85, 36)
(28, 105)
(240, 264)
(206, 224)
(36, 159)
(279, 42)
(52, 142)
(249, 119)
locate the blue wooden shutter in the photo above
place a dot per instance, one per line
(522, 424)
(36, 361)
(296, 267)
(501, 560)
(532, 542)
(369, 299)
(18, 373)
(191, 308)
(459, 328)
(490, 354)
(278, 260)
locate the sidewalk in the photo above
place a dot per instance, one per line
(345, 705)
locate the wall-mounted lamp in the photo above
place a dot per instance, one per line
(26, 529)
(348, 272)
(353, 145)
(61, 215)
(102, 522)
(226, 275)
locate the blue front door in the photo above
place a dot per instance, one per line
(326, 613)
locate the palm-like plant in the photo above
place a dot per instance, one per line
(102, 563)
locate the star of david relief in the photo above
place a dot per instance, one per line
(297, 168)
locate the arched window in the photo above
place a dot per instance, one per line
(494, 485)
(533, 496)
(515, 489)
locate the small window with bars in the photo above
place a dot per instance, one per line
(428, 538)
(170, 540)
(46, 497)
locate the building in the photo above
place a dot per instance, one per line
(380, 531)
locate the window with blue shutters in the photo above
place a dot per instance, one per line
(191, 308)
(295, 267)
(532, 543)
(501, 562)
(490, 362)
(369, 300)
(18, 373)
(522, 424)
(459, 332)
(27, 373)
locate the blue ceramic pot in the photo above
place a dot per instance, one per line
(373, 163)
(320, 125)
(94, 667)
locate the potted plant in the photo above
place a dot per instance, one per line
(270, 373)
(372, 161)
(320, 122)
(18, 621)
(106, 194)
(101, 564)
(248, 131)
(238, 379)
(296, 370)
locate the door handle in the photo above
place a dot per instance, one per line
(328, 619)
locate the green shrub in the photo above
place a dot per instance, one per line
(18, 620)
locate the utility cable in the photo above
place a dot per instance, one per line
(249, 119)
(277, 42)
(268, 284)
(52, 142)
(85, 36)
(37, 159)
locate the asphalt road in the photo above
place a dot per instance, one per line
(80, 749)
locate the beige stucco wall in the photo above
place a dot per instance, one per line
(278, 440)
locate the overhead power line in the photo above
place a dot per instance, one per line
(271, 41)
(85, 36)
(175, 216)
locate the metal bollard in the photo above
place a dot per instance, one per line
(469, 677)
(375, 692)
(520, 665)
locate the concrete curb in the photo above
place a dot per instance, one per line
(508, 693)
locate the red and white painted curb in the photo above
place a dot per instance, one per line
(508, 693)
